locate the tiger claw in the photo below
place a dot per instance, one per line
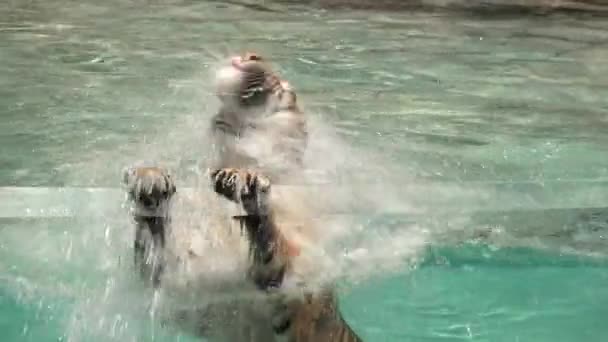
(150, 188)
(241, 186)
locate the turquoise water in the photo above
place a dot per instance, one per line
(489, 129)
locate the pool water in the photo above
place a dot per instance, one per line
(473, 148)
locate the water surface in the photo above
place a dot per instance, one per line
(463, 105)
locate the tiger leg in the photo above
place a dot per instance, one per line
(314, 317)
(151, 190)
(268, 247)
(317, 317)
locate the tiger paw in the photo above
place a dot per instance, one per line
(242, 186)
(151, 188)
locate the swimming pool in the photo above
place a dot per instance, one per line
(476, 143)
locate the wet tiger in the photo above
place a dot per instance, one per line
(260, 124)
(151, 190)
(312, 316)
(307, 315)
(256, 105)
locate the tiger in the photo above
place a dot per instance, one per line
(151, 189)
(256, 103)
(260, 124)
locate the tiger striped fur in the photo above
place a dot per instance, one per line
(251, 102)
(313, 317)
(258, 108)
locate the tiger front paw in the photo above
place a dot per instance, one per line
(250, 189)
(150, 188)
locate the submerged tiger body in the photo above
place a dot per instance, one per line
(256, 104)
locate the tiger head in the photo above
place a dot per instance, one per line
(250, 83)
